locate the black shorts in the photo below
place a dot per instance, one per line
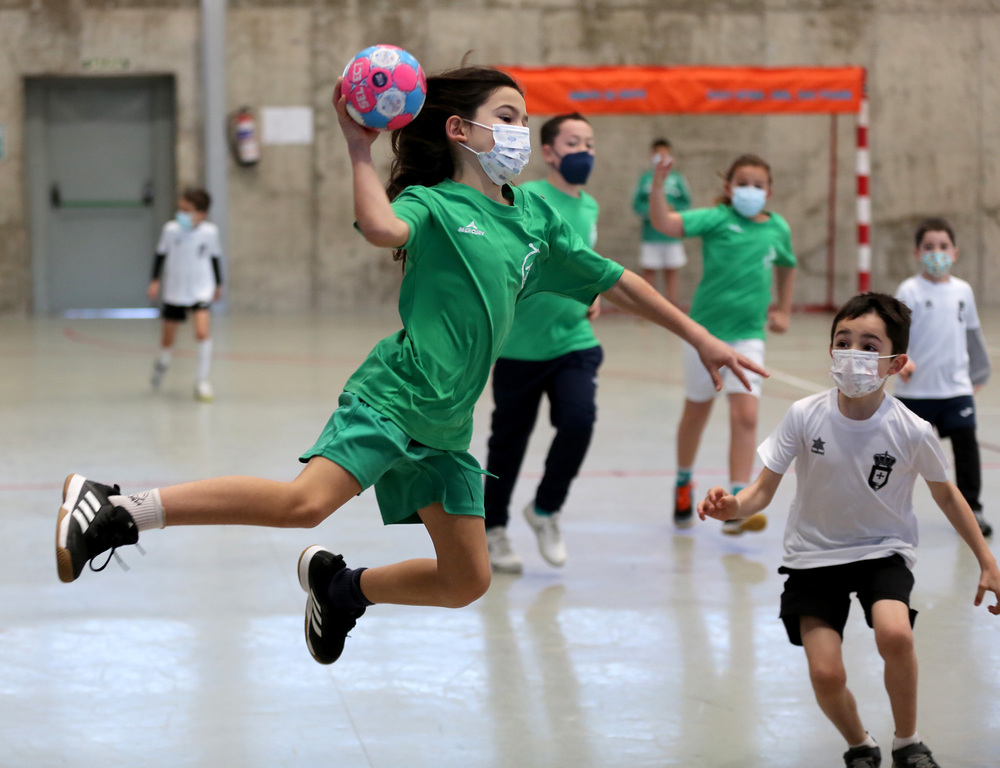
(947, 415)
(179, 313)
(825, 593)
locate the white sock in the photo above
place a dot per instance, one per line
(898, 743)
(165, 357)
(146, 508)
(204, 359)
(868, 742)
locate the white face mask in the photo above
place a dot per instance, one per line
(748, 201)
(510, 153)
(855, 371)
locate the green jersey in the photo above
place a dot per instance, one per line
(678, 195)
(547, 326)
(469, 261)
(738, 254)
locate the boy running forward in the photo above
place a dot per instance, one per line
(851, 528)
(551, 351)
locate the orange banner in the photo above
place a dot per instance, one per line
(686, 90)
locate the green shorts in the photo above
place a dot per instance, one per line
(407, 475)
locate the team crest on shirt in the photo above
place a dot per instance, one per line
(881, 470)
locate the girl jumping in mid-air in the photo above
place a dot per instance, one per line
(742, 244)
(474, 246)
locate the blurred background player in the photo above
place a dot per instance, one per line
(948, 359)
(551, 351)
(659, 252)
(187, 276)
(742, 245)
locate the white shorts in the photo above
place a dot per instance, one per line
(662, 256)
(698, 387)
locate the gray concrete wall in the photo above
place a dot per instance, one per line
(932, 80)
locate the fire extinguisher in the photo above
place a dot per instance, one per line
(243, 133)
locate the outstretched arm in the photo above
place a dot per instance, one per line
(724, 506)
(661, 216)
(959, 514)
(635, 295)
(372, 209)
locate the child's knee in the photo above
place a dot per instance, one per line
(306, 510)
(827, 677)
(894, 641)
(468, 589)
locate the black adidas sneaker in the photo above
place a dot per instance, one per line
(326, 626)
(88, 525)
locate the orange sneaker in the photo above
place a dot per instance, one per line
(683, 509)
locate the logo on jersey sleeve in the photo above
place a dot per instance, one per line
(528, 263)
(471, 229)
(881, 470)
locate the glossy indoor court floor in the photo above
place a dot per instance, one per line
(652, 647)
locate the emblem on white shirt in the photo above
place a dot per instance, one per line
(881, 470)
(819, 446)
(471, 229)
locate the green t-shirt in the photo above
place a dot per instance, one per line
(677, 193)
(469, 261)
(738, 254)
(547, 326)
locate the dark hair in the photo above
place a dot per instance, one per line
(743, 161)
(934, 224)
(661, 142)
(422, 152)
(550, 129)
(894, 313)
(198, 197)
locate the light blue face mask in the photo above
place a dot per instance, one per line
(184, 219)
(936, 263)
(749, 201)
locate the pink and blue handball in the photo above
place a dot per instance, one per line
(385, 87)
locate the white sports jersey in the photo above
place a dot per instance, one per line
(942, 314)
(188, 277)
(854, 480)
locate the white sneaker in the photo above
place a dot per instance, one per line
(203, 392)
(503, 558)
(754, 523)
(159, 369)
(546, 528)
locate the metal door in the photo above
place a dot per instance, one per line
(100, 156)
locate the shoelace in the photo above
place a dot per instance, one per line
(114, 552)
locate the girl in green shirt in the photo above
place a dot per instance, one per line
(473, 247)
(742, 244)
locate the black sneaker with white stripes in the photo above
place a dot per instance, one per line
(89, 525)
(326, 625)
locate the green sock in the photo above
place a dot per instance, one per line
(737, 488)
(684, 476)
(543, 512)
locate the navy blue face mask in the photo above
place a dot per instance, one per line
(576, 167)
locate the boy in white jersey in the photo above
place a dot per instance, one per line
(948, 362)
(851, 528)
(187, 276)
